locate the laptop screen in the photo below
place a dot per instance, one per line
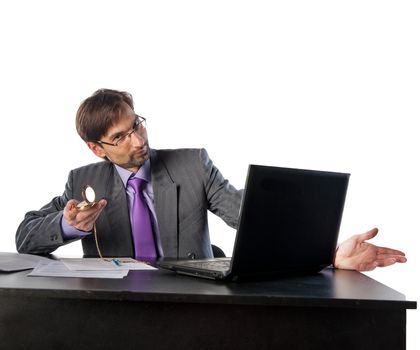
(290, 220)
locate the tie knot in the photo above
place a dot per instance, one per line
(136, 183)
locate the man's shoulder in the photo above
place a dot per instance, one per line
(174, 151)
(93, 167)
(180, 153)
(180, 159)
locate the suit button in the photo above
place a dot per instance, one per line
(191, 255)
(53, 237)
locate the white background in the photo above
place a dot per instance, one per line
(329, 85)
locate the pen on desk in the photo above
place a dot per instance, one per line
(116, 262)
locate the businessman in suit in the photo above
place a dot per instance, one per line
(178, 187)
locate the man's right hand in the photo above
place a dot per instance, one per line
(83, 218)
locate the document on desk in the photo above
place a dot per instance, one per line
(56, 268)
(17, 262)
(106, 264)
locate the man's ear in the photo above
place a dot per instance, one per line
(96, 149)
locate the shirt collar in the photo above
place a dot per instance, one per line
(142, 173)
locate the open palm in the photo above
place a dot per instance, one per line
(357, 254)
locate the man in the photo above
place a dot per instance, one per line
(177, 187)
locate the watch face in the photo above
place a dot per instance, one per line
(88, 194)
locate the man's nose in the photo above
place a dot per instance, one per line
(137, 139)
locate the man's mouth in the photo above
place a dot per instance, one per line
(141, 151)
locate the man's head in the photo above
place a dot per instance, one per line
(107, 123)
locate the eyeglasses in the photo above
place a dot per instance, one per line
(139, 126)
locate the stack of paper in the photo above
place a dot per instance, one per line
(89, 268)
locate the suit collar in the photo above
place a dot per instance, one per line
(159, 173)
(166, 204)
(143, 173)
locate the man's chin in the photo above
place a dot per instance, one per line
(135, 163)
(141, 159)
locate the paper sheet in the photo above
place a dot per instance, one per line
(98, 264)
(56, 268)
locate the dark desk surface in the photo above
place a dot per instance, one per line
(333, 288)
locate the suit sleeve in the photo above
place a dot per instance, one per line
(224, 200)
(40, 230)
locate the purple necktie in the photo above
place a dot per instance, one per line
(144, 242)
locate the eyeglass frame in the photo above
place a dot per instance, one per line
(139, 122)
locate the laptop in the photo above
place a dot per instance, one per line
(289, 223)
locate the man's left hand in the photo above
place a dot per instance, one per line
(357, 254)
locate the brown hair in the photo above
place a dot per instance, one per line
(100, 111)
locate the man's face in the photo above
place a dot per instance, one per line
(129, 136)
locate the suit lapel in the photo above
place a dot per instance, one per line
(119, 241)
(166, 205)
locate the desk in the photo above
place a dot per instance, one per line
(334, 309)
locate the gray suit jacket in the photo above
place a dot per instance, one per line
(185, 183)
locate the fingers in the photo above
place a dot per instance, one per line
(382, 261)
(71, 204)
(390, 261)
(389, 251)
(83, 218)
(70, 210)
(367, 235)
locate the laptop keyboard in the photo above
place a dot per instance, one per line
(215, 265)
